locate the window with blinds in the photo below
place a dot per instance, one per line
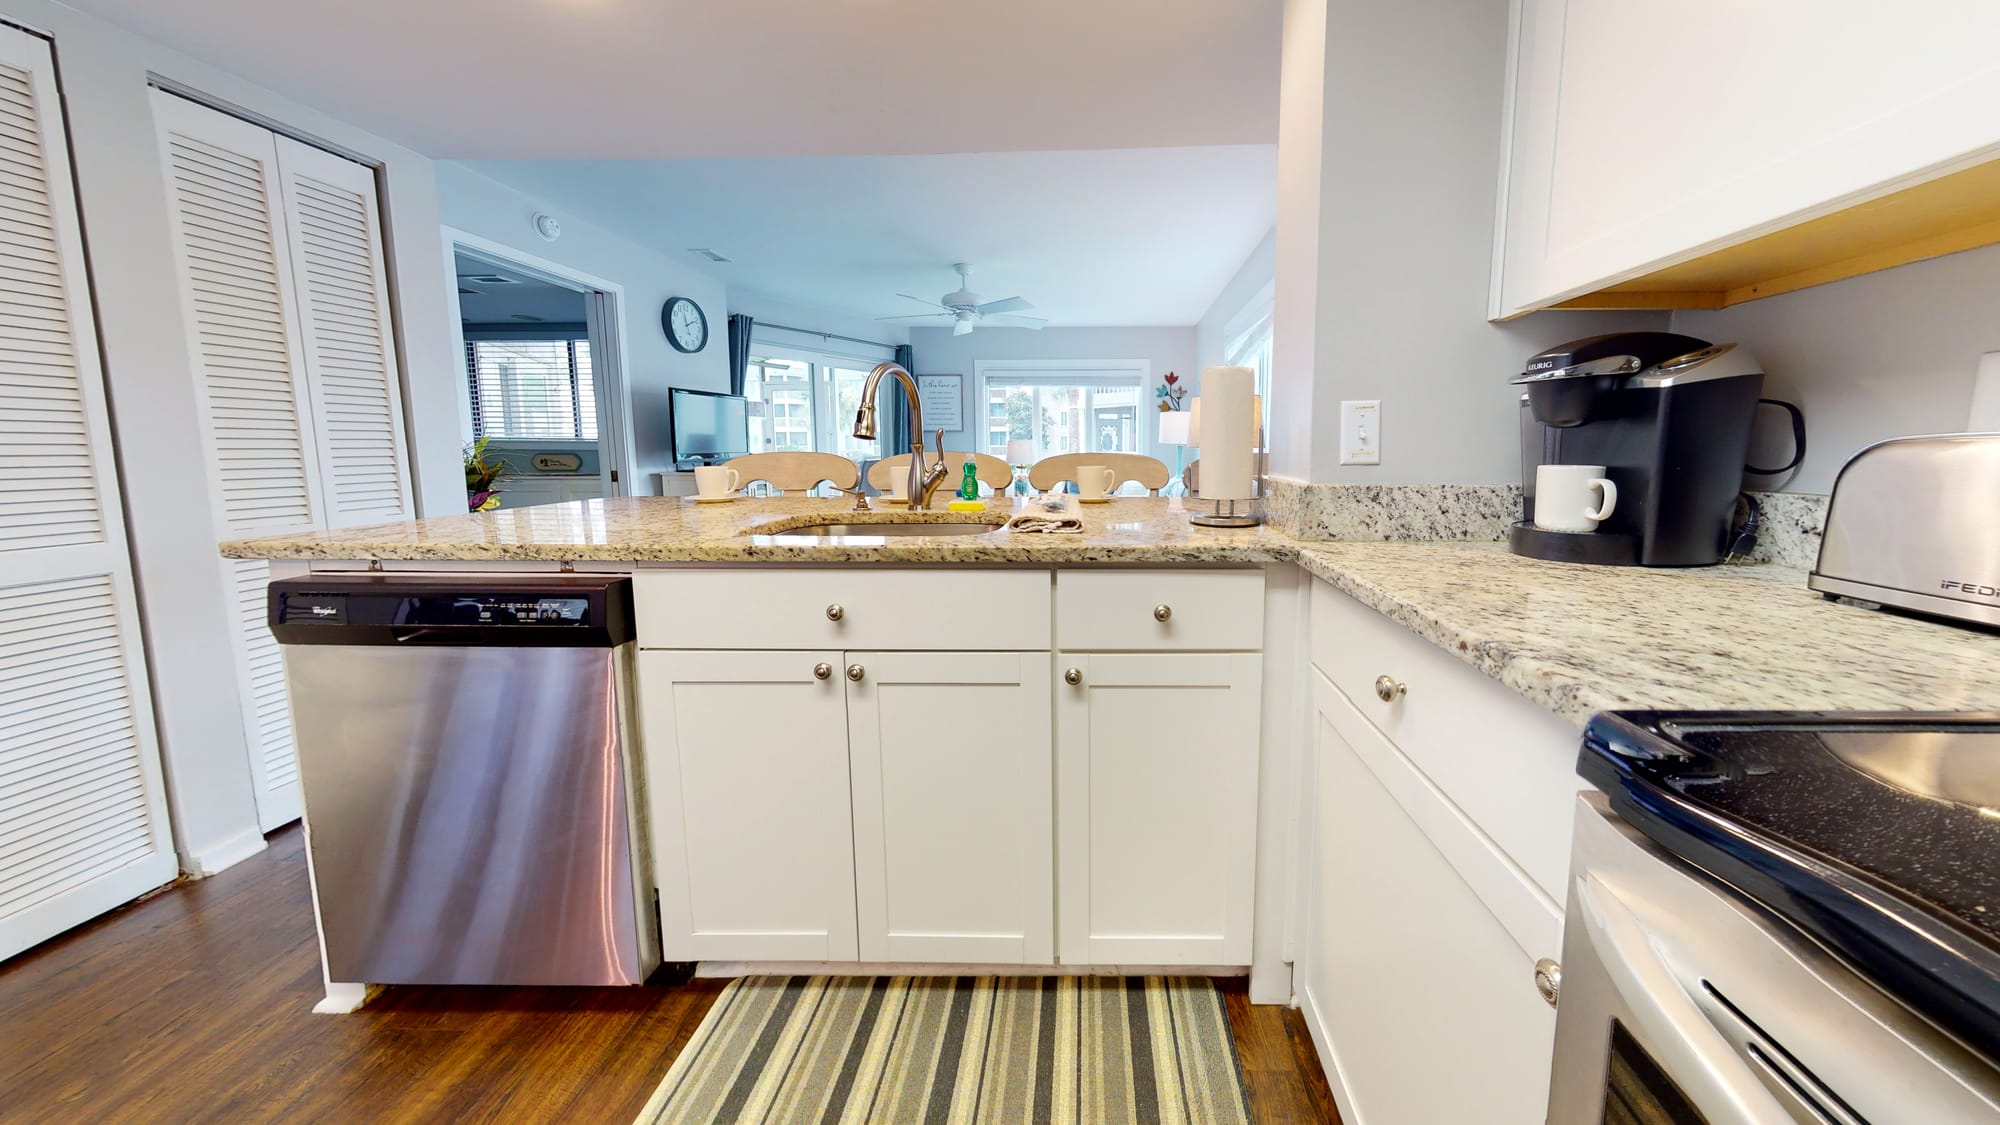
(531, 389)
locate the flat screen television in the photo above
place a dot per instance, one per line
(708, 426)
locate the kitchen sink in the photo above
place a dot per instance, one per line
(889, 529)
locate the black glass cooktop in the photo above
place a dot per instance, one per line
(1877, 834)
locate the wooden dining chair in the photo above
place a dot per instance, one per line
(1150, 472)
(795, 472)
(1191, 477)
(992, 471)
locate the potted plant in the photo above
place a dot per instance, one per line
(480, 473)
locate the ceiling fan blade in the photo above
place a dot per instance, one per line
(925, 301)
(961, 328)
(1011, 320)
(1006, 305)
(914, 316)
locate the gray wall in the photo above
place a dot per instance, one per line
(479, 205)
(1386, 202)
(1884, 355)
(1253, 278)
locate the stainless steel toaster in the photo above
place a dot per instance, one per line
(1915, 523)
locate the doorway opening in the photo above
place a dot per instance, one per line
(539, 368)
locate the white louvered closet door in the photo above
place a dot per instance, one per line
(231, 243)
(83, 821)
(334, 226)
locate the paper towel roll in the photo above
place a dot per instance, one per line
(1227, 463)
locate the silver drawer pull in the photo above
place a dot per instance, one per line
(1161, 613)
(822, 671)
(1388, 690)
(1073, 676)
(1548, 980)
(835, 612)
(856, 673)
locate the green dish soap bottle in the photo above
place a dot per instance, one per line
(968, 488)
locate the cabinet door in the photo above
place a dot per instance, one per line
(1156, 798)
(746, 764)
(1776, 112)
(953, 806)
(1406, 973)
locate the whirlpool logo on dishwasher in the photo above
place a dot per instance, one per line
(1975, 589)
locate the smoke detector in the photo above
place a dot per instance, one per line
(547, 227)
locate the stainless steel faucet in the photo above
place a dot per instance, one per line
(924, 479)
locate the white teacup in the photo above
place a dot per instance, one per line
(1573, 497)
(1095, 482)
(899, 486)
(716, 480)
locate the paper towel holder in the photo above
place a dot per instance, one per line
(1227, 515)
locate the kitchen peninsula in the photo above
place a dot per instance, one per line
(1339, 765)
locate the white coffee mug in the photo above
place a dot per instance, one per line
(1564, 499)
(1094, 482)
(716, 480)
(899, 483)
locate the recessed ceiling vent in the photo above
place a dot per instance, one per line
(487, 279)
(705, 252)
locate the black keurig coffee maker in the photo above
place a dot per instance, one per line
(1667, 416)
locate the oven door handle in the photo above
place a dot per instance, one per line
(1707, 1068)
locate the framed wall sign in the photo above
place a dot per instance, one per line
(943, 399)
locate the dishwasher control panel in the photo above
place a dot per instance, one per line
(364, 611)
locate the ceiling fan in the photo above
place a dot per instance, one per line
(967, 311)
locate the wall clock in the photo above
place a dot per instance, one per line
(685, 324)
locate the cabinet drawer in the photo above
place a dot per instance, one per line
(851, 608)
(1509, 764)
(1160, 610)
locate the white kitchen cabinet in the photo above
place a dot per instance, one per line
(747, 773)
(1156, 806)
(1419, 995)
(951, 772)
(1642, 135)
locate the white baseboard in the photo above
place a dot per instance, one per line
(723, 969)
(1323, 1046)
(220, 857)
(341, 999)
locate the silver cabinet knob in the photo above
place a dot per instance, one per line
(1548, 980)
(856, 673)
(822, 671)
(1073, 676)
(1162, 613)
(835, 612)
(1388, 690)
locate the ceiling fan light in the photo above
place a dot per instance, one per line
(962, 328)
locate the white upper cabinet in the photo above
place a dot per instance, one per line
(1641, 136)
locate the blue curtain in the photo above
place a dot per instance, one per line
(892, 423)
(739, 352)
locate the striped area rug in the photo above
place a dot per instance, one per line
(951, 1050)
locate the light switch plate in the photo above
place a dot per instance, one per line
(1361, 432)
(1985, 413)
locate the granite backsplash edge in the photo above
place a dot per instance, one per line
(1481, 513)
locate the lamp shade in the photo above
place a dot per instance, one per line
(1174, 427)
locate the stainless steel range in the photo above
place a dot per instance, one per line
(1781, 919)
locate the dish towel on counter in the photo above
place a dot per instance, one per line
(1041, 521)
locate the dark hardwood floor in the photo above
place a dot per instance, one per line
(193, 1005)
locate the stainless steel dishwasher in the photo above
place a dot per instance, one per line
(466, 754)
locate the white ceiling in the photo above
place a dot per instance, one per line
(1117, 237)
(646, 78)
(522, 301)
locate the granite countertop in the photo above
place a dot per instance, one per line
(1574, 639)
(1579, 639)
(671, 529)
